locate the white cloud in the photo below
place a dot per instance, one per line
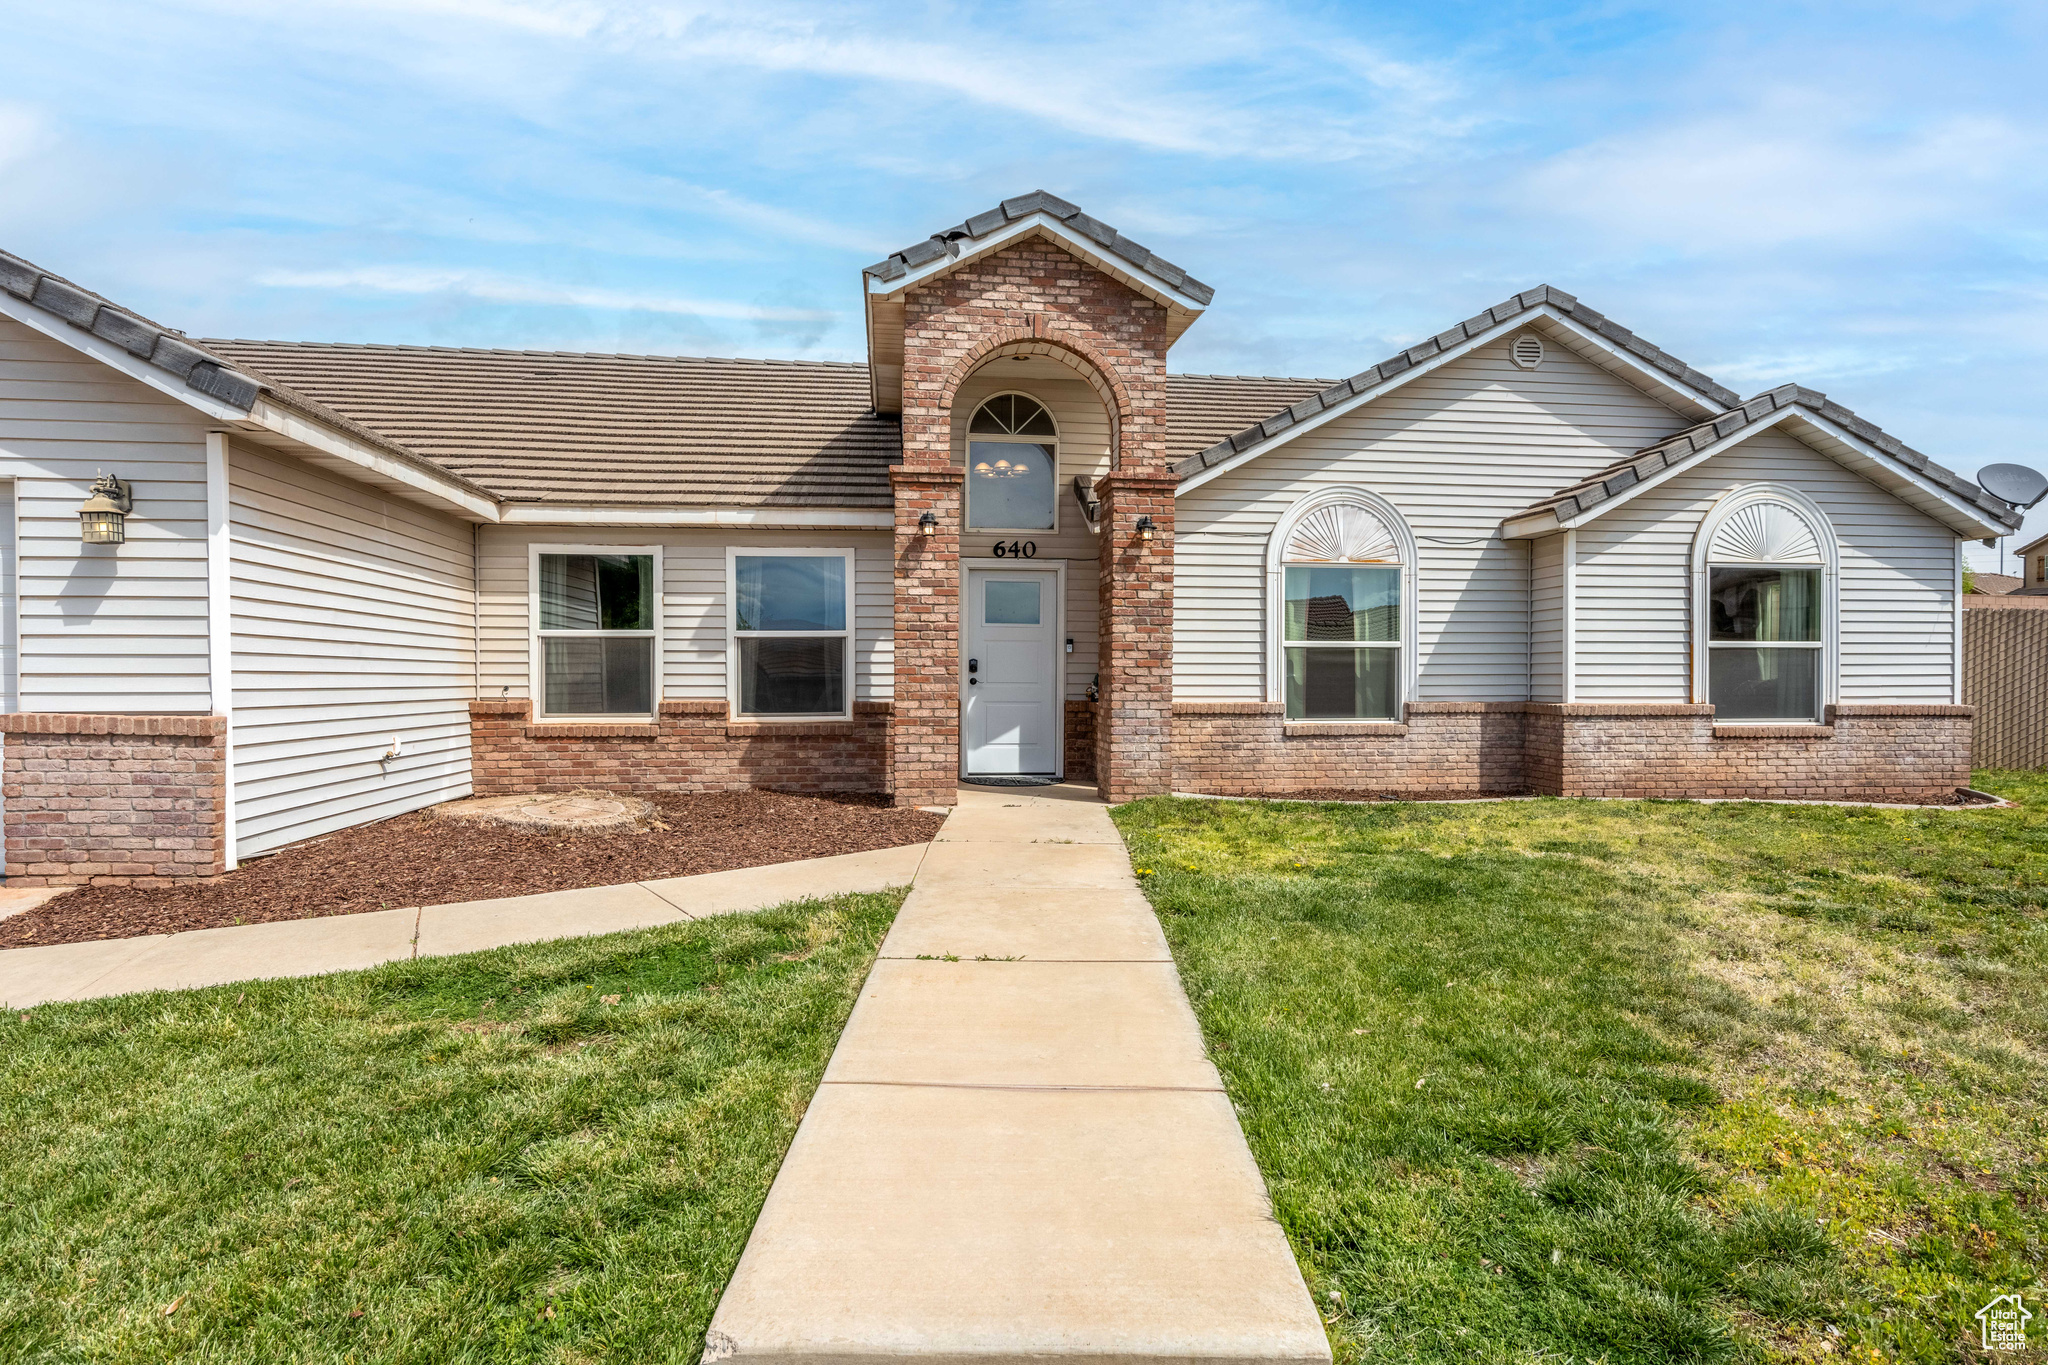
(499, 289)
(1794, 167)
(22, 134)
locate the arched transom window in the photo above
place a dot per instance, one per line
(1343, 584)
(1765, 572)
(1012, 455)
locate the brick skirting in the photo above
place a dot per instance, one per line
(1638, 749)
(1248, 749)
(692, 747)
(114, 800)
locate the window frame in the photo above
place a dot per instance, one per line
(1277, 564)
(536, 657)
(967, 440)
(733, 634)
(1828, 682)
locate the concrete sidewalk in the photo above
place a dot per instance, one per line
(338, 943)
(1020, 1149)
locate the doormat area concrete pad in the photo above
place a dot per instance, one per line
(1007, 781)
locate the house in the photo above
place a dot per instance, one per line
(323, 584)
(2028, 588)
(1992, 584)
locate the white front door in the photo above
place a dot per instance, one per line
(1010, 668)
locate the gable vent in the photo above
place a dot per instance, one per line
(1527, 350)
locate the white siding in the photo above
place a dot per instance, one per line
(1084, 450)
(1455, 451)
(103, 627)
(693, 602)
(1897, 586)
(353, 623)
(1546, 618)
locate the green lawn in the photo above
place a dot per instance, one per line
(1631, 1081)
(547, 1153)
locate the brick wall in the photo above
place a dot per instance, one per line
(1863, 753)
(692, 747)
(1442, 748)
(1035, 294)
(1080, 741)
(114, 800)
(1134, 641)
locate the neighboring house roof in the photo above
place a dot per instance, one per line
(1368, 382)
(2032, 546)
(1994, 584)
(1591, 496)
(567, 427)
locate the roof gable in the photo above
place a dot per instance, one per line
(1038, 214)
(1594, 336)
(1858, 445)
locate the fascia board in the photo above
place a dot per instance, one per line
(1044, 224)
(1494, 333)
(108, 353)
(530, 514)
(282, 421)
(1973, 521)
(1547, 521)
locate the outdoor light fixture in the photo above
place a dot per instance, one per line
(928, 524)
(102, 517)
(1144, 528)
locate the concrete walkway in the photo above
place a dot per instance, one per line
(339, 943)
(1020, 1149)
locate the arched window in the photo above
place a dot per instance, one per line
(1342, 582)
(1764, 584)
(1012, 453)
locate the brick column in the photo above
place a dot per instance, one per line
(1134, 718)
(924, 731)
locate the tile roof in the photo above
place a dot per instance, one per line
(566, 427)
(172, 352)
(941, 244)
(1362, 383)
(1603, 484)
(1202, 409)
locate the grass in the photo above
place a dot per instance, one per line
(1631, 1081)
(546, 1153)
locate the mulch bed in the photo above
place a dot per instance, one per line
(424, 859)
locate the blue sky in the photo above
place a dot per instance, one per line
(1847, 196)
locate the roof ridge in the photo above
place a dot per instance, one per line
(1255, 378)
(515, 351)
(1422, 352)
(1613, 479)
(897, 264)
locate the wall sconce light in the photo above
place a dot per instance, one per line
(1144, 528)
(928, 524)
(102, 517)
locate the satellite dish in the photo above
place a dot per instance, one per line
(2013, 483)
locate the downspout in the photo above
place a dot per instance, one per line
(476, 611)
(1528, 620)
(220, 646)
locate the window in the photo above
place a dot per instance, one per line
(1766, 614)
(792, 641)
(1012, 455)
(595, 622)
(1343, 612)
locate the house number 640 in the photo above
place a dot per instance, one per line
(1017, 549)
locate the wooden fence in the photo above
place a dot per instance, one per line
(2005, 676)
